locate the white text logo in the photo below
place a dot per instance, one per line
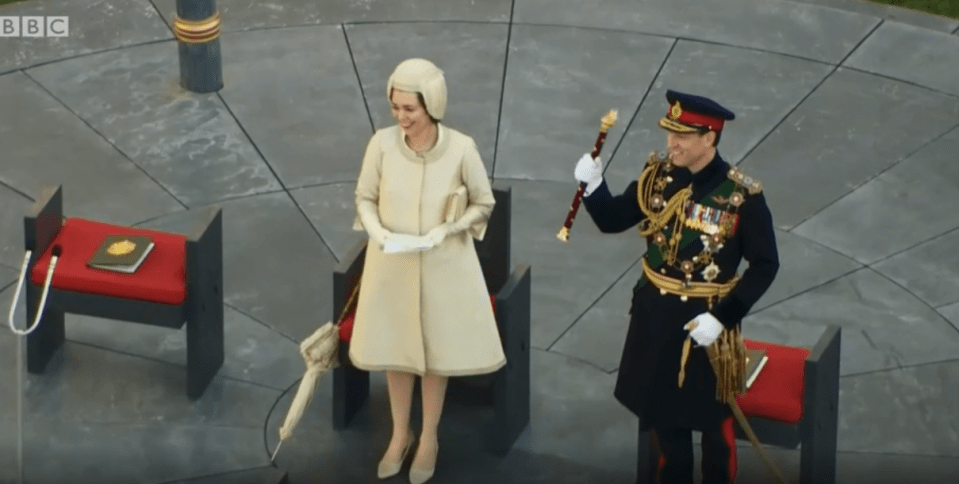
(26, 26)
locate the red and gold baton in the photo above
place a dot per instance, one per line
(608, 121)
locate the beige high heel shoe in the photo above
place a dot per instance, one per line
(420, 476)
(388, 469)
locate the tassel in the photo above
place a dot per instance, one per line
(682, 362)
(728, 357)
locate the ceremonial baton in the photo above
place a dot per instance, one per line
(608, 121)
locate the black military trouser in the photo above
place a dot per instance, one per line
(676, 455)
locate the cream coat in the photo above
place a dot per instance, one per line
(424, 312)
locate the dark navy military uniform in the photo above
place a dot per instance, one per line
(726, 220)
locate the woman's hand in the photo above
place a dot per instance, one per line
(438, 234)
(381, 237)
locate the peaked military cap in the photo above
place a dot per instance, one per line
(690, 114)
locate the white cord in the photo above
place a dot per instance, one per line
(43, 298)
(13, 327)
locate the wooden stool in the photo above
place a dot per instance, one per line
(794, 401)
(180, 282)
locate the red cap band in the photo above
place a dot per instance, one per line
(691, 118)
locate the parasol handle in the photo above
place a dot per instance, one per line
(276, 451)
(607, 122)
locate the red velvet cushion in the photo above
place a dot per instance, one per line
(777, 393)
(161, 278)
(346, 327)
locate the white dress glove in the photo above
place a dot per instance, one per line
(590, 172)
(705, 330)
(439, 233)
(371, 222)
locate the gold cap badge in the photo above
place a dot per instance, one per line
(676, 111)
(122, 247)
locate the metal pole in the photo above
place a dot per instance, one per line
(197, 29)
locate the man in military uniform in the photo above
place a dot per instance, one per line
(700, 218)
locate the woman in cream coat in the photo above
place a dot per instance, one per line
(424, 313)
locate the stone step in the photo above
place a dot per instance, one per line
(259, 475)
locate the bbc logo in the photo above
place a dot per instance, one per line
(26, 26)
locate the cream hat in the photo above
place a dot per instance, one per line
(421, 76)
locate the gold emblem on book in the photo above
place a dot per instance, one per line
(122, 247)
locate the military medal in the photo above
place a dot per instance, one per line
(710, 272)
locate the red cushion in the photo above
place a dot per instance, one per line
(777, 393)
(161, 278)
(346, 327)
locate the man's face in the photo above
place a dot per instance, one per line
(688, 150)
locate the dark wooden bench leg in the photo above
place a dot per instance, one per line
(44, 342)
(351, 390)
(41, 226)
(204, 314)
(204, 346)
(511, 395)
(820, 422)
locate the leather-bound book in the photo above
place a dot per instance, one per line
(121, 253)
(755, 361)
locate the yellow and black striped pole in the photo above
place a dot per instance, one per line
(197, 30)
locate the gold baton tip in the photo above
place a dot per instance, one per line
(563, 234)
(610, 119)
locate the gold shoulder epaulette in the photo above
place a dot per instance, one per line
(656, 158)
(749, 183)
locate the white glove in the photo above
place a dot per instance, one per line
(705, 329)
(438, 234)
(590, 172)
(371, 222)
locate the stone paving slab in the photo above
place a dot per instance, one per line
(598, 336)
(566, 276)
(307, 125)
(275, 269)
(553, 101)
(891, 12)
(255, 14)
(58, 453)
(796, 29)
(951, 313)
(189, 143)
(254, 353)
(50, 145)
(331, 210)
(927, 270)
(912, 54)
(803, 265)
(921, 408)
(759, 87)
(891, 213)
(569, 399)
(471, 56)
(13, 207)
(95, 25)
(849, 130)
(884, 327)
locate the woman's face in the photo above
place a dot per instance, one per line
(410, 114)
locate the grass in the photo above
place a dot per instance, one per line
(946, 8)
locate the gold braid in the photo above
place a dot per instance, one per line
(675, 207)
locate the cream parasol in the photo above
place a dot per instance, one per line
(320, 353)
